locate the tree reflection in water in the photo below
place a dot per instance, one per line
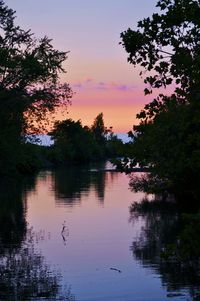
(161, 228)
(24, 275)
(72, 182)
(12, 211)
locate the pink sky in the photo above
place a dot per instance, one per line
(119, 103)
(97, 67)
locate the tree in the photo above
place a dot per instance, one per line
(29, 84)
(114, 146)
(99, 129)
(168, 45)
(73, 143)
(167, 138)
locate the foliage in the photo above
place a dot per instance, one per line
(114, 146)
(108, 143)
(74, 143)
(168, 45)
(99, 130)
(167, 138)
(29, 85)
(33, 158)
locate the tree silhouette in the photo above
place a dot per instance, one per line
(73, 143)
(29, 84)
(99, 129)
(167, 138)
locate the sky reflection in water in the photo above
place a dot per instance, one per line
(82, 228)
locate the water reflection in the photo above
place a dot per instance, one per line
(89, 245)
(161, 229)
(12, 212)
(24, 274)
(70, 184)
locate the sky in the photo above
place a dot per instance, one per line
(97, 68)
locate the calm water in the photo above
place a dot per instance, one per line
(69, 235)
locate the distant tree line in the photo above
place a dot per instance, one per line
(74, 143)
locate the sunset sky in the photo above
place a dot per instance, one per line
(97, 67)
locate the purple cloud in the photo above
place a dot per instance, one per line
(102, 86)
(123, 88)
(77, 85)
(88, 80)
(89, 83)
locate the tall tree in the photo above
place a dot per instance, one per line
(29, 84)
(167, 138)
(99, 129)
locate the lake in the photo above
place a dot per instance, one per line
(68, 234)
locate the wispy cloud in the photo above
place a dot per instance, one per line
(101, 86)
(124, 88)
(114, 86)
(88, 80)
(90, 84)
(77, 85)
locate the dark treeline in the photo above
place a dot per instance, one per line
(75, 144)
(167, 138)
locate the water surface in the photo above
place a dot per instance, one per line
(69, 233)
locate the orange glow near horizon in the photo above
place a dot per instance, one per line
(120, 118)
(119, 106)
(118, 102)
(97, 67)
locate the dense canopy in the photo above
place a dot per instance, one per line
(167, 139)
(29, 86)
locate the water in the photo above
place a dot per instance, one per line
(69, 235)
